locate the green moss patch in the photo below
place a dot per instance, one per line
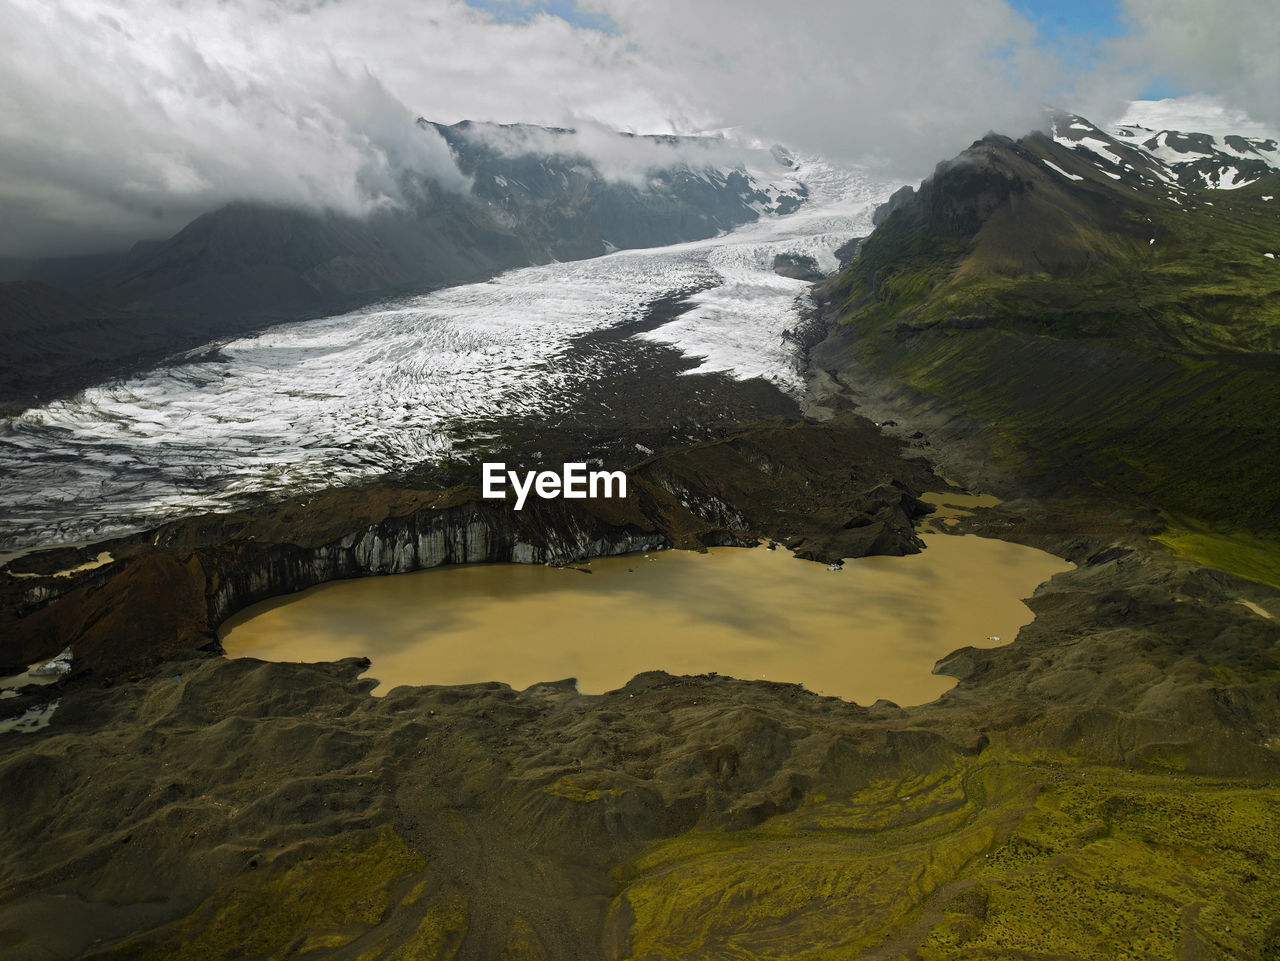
(1241, 553)
(313, 901)
(1008, 859)
(1108, 867)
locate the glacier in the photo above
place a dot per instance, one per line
(342, 399)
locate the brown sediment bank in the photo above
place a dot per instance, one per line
(868, 631)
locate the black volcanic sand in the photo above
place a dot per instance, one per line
(1105, 786)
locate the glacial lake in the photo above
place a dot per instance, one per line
(873, 629)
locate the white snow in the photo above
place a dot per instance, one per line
(1162, 151)
(1196, 113)
(55, 667)
(1229, 178)
(1226, 148)
(1053, 166)
(38, 674)
(1162, 173)
(1099, 147)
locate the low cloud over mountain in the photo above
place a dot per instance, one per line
(123, 119)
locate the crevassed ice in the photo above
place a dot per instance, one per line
(317, 403)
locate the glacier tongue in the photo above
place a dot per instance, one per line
(736, 327)
(323, 402)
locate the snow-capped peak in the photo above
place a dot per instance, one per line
(1185, 157)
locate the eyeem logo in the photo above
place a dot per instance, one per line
(572, 482)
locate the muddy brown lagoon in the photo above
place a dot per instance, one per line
(872, 629)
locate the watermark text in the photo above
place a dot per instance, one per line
(573, 482)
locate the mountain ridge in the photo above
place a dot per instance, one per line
(1108, 320)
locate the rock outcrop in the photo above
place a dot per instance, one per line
(797, 267)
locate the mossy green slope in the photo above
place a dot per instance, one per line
(363, 895)
(1007, 859)
(1121, 336)
(1111, 759)
(995, 856)
(997, 239)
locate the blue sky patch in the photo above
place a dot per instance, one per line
(1077, 29)
(522, 11)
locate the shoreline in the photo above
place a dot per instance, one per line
(669, 612)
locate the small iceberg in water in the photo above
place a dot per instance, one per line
(59, 665)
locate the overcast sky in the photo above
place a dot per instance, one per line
(122, 119)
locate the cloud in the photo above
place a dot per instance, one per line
(628, 159)
(453, 62)
(903, 83)
(126, 119)
(1198, 113)
(122, 119)
(1224, 48)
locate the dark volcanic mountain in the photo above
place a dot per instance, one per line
(535, 197)
(544, 186)
(1103, 315)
